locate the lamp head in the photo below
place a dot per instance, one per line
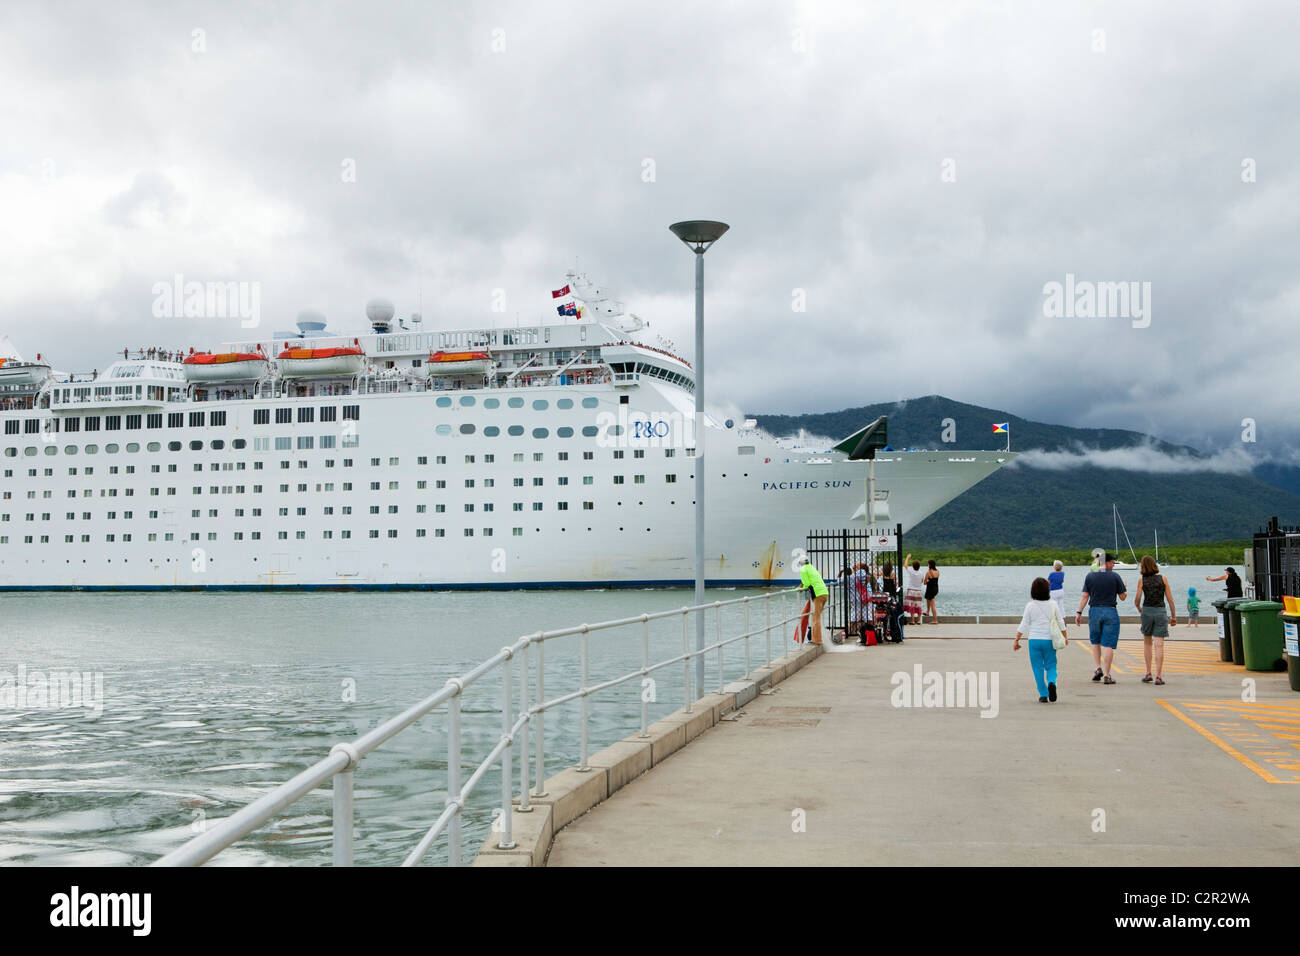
(699, 234)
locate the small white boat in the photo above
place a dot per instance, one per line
(459, 363)
(23, 373)
(316, 363)
(225, 366)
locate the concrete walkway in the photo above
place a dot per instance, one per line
(826, 770)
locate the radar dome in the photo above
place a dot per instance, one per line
(310, 320)
(379, 310)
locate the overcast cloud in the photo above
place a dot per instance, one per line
(495, 145)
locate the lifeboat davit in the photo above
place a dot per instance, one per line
(459, 363)
(308, 363)
(224, 366)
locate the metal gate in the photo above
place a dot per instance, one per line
(836, 554)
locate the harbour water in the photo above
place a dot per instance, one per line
(210, 699)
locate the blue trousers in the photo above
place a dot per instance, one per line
(1042, 658)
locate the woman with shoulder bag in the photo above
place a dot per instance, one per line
(1043, 626)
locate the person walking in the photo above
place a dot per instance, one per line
(913, 589)
(1193, 608)
(1233, 585)
(811, 580)
(1056, 586)
(1150, 602)
(931, 591)
(1036, 625)
(1102, 592)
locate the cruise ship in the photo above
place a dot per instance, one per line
(560, 454)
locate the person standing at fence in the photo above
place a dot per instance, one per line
(1036, 625)
(913, 589)
(1056, 587)
(859, 597)
(1102, 592)
(811, 581)
(1193, 608)
(1150, 602)
(931, 591)
(1233, 585)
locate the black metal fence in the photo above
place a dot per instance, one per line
(836, 554)
(1277, 562)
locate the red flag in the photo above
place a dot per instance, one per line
(559, 292)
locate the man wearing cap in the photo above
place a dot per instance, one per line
(1102, 592)
(811, 579)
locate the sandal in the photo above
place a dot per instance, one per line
(1108, 679)
(1160, 680)
(1147, 679)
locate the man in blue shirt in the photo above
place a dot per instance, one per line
(1102, 592)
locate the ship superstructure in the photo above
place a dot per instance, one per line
(555, 454)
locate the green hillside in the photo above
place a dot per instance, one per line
(1026, 507)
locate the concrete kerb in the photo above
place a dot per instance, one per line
(570, 793)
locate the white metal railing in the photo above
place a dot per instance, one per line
(343, 758)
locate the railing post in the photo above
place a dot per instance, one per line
(507, 756)
(453, 775)
(582, 766)
(343, 818)
(767, 603)
(645, 671)
(717, 631)
(686, 661)
(748, 670)
(524, 806)
(541, 718)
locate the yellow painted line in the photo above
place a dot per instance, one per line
(1238, 755)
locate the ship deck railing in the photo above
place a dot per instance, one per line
(510, 752)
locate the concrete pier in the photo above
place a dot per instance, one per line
(828, 769)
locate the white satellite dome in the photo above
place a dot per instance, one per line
(310, 320)
(379, 310)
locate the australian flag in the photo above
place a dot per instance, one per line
(567, 309)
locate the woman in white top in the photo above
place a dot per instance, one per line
(1036, 624)
(913, 588)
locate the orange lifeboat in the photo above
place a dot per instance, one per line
(310, 362)
(224, 366)
(459, 363)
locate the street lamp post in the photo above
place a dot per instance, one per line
(699, 235)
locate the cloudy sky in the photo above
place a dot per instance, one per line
(911, 174)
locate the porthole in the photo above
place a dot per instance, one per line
(491, 431)
(590, 402)
(516, 403)
(541, 404)
(133, 447)
(491, 403)
(589, 431)
(173, 446)
(515, 430)
(467, 429)
(70, 449)
(443, 430)
(541, 433)
(443, 402)
(467, 400)
(564, 403)
(564, 432)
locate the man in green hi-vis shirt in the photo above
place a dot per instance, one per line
(810, 578)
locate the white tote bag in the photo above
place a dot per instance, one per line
(1058, 633)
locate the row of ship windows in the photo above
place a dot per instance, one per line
(328, 486)
(257, 535)
(308, 443)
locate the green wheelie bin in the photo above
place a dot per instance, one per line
(1234, 627)
(1261, 635)
(1290, 627)
(1225, 636)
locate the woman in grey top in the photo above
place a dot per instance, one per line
(1150, 601)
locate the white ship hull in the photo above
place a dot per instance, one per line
(227, 518)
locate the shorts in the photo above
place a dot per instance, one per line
(1194, 617)
(1155, 622)
(1103, 626)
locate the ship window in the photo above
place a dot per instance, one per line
(541, 433)
(283, 416)
(11, 452)
(92, 423)
(133, 447)
(261, 416)
(443, 402)
(564, 403)
(305, 441)
(196, 446)
(590, 402)
(91, 450)
(326, 441)
(516, 403)
(467, 400)
(491, 431)
(196, 419)
(515, 430)
(467, 429)
(491, 403)
(215, 446)
(70, 450)
(329, 413)
(564, 432)
(237, 443)
(443, 430)
(351, 413)
(218, 418)
(281, 444)
(306, 413)
(589, 431)
(541, 404)
(132, 421)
